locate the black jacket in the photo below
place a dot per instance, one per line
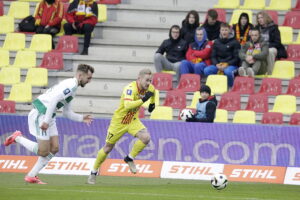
(213, 31)
(187, 32)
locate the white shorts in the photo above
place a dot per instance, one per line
(35, 120)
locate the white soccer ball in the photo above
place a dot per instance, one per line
(185, 114)
(219, 181)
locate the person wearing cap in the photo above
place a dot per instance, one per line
(206, 107)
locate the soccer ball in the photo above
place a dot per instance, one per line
(185, 114)
(219, 181)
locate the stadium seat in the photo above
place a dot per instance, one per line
(67, 44)
(163, 81)
(292, 19)
(102, 13)
(286, 34)
(1, 8)
(10, 75)
(37, 77)
(283, 70)
(244, 116)
(162, 113)
(294, 87)
(14, 41)
(228, 4)
(243, 85)
(1, 91)
(7, 24)
(7, 107)
(109, 1)
(217, 83)
(4, 58)
(274, 15)
(41, 43)
(279, 5)
(285, 104)
(296, 42)
(293, 51)
(221, 15)
(195, 100)
(221, 116)
(53, 60)
(295, 119)
(258, 103)
(192, 109)
(270, 86)
(236, 15)
(146, 104)
(230, 101)
(297, 7)
(272, 118)
(25, 59)
(20, 92)
(18, 9)
(189, 83)
(175, 99)
(169, 72)
(253, 4)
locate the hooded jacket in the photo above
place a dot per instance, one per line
(175, 49)
(213, 31)
(187, 31)
(49, 13)
(241, 30)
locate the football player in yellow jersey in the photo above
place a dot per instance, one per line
(125, 119)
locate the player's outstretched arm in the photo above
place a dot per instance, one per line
(68, 113)
(88, 119)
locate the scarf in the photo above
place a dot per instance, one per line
(242, 40)
(85, 8)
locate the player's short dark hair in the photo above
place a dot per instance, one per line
(85, 68)
(225, 25)
(212, 13)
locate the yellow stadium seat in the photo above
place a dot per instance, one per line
(10, 75)
(286, 34)
(37, 77)
(195, 100)
(231, 4)
(285, 104)
(146, 104)
(221, 116)
(18, 10)
(31, 0)
(4, 58)
(253, 4)
(7, 24)
(279, 5)
(25, 59)
(41, 43)
(14, 41)
(284, 70)
(20, 92)
(169, 72)
(244, 116)
(298, 39)
(236, 15)
(162, 113)
(102, 13)
(217, 83)
(36, 7)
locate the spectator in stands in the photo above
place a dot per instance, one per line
(48, 17)
(271, 34)
(189, 25)
(82, 17)
(242, 29)
(224, 56)
(198, 54)
(212, 25)
(175, 48)
(206, 107)
(254, 55)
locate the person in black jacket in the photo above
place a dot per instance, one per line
(189, 25)
(175, 49)
(242, 29)
(271, 34)
(206, 107)
(225, 55)
(212, 25)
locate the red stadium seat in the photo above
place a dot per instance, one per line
(7, 107)
(272, 118)
(1, 92)
(230, 101)
(109, 1)
(162, 81)
(297, 7)
(221, 15)
(243, 85)
(293, 52)
(67, 44)
(258, 103)
(294, 87)
(274, 15)
(295, 119)
(193, 110)
(189, 83)
(270, 86)
(1, 8)
(53, 60)
(292, 19)
(175, 99)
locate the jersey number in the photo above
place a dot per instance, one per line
(109, 136)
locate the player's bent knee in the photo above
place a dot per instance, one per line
(54, 150)
(43, 153)
(145, 138)
(108, 148)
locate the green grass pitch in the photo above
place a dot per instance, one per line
(59, 187)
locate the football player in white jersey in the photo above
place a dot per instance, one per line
(41, 119)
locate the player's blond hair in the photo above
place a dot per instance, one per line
(144, 72)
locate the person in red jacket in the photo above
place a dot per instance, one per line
(48, 17)
(198, 54)
(82, 16)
